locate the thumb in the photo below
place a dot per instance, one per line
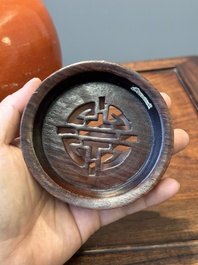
(11, 109)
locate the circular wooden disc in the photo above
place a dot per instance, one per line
(96, 135)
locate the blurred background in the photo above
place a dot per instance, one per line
(125, 30)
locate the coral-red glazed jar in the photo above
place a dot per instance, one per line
(29, 45)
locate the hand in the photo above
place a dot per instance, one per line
(36, 228)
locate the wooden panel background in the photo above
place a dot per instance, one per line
(165, 234)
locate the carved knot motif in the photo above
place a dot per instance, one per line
(97, 136)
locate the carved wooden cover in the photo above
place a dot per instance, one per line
(97, 135)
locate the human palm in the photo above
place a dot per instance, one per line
(36, 228)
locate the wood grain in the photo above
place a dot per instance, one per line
(134, 131)
(165, 234)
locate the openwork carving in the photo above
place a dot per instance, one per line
(97, 136)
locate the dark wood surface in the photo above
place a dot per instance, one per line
(109, 125)
(165, 234)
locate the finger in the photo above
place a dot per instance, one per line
(166, 98)
(16, 142)
(181, 140)
(165, 189)
(11, 109)
(19, 98)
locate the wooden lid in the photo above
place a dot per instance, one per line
(96, 135)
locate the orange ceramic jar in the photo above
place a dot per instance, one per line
(29, 45)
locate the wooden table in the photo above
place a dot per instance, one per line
(165, 234)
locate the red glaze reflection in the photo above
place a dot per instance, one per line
(29, 45)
